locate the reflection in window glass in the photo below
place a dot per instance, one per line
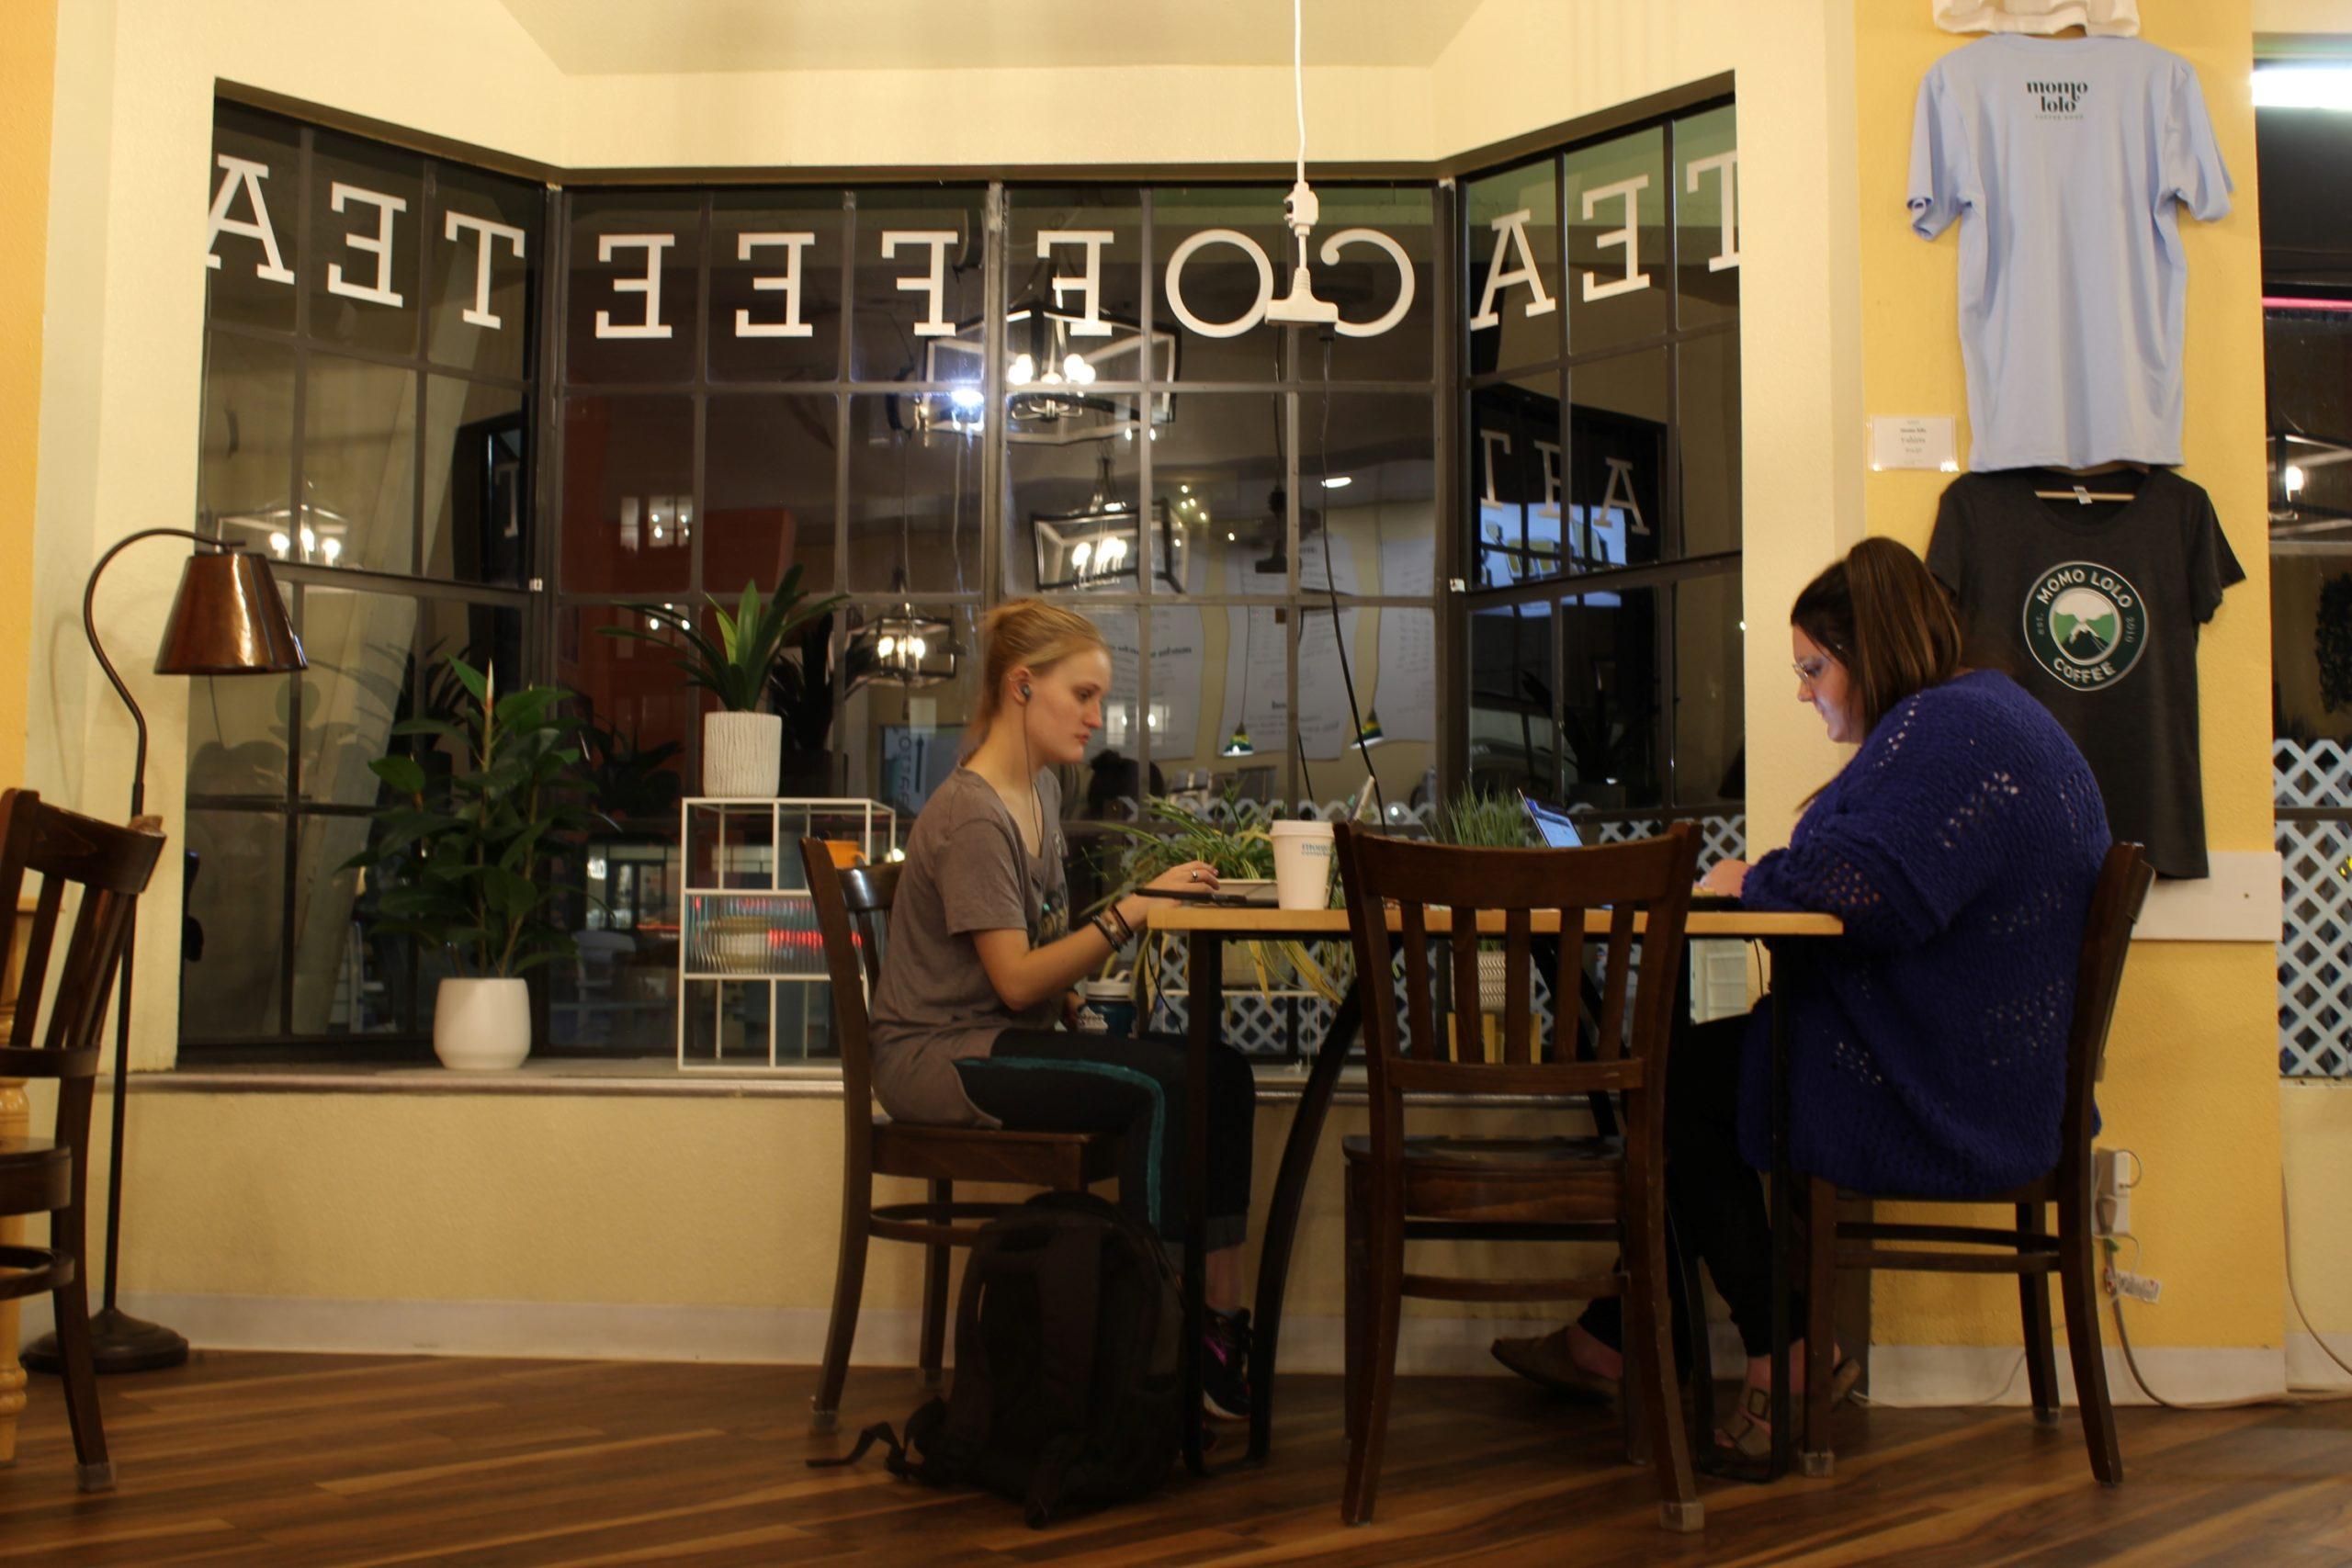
(350, 975)
(1513, 285)
(252, 287)
(768, 476)
(1612, 737)
(643, 716)
(246, 461)
(627, 494)
(362, 277)
(1220, 702)
(776, 285)
(632, 309)
(1707, 436)
(1363, 281)
(1397, 684)
(482, 322)
(359, 650)
(229, 989)
(1706, 214)
(1617, 451)
(1710, 762)
(236, 736)
(1617, 258)
(477, 483)
(1367, 466)
(1072, 508)
(1220, 283)
(1516, 479)
(917, 277)
(914, 501)
(358, 469)
(1511, 701)
(1217, 479)
(901, 742)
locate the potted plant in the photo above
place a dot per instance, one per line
(1495, 821)
(469, 851)
(735, 658)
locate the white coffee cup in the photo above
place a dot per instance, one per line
(1303, 864)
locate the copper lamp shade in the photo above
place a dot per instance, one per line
(228, 619)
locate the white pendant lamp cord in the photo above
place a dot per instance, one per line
(1298, 91)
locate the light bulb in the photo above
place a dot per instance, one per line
(1078, 557)
(1023, 370)
(309, 540)
(2294, 479)
(884, 645)
(278, 543)
(333, 550)
(914, 648)
(965, 398)
(1078, 370)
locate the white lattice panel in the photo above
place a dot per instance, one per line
(2315, 980)
(2315, 772)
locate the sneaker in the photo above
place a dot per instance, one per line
(1225, 1366)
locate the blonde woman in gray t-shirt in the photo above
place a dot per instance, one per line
(981, 961)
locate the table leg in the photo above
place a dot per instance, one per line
(1783, 1217)
(1203, 1024)
(15, 1119)
(1281, 1212)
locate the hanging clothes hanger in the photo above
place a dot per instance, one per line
(2083, 494)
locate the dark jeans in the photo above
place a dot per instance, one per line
(1054, 1081)
(1716, 1197)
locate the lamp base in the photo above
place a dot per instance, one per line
(119, 1343)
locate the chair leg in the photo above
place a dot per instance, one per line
(93, 1471)
(1384, 1284)
(1649, 1369)
(1820, 1327)
(2033, 1306)
(1356, 1267)
(934, 1298)
(1699, 1421)
(849, 1290)
(2078, 1288)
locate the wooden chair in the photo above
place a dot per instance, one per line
(50, 1176)
(2030, 1251)
(1606, 1189)
(853, 910)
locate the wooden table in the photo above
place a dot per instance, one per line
(1207, 928)
(16, 1113)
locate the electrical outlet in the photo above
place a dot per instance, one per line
(2111, 1191)
(2137, 1287)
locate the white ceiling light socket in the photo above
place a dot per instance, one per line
(1300, 210)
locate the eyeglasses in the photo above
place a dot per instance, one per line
(1809, 670)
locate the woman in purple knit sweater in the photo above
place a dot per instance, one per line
(1960, 846)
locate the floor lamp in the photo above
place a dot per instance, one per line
(227, 619)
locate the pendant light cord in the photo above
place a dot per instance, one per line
(1298, 88)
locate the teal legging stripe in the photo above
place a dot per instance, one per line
(1124, 1075)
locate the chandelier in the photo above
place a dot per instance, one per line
(1051, 370)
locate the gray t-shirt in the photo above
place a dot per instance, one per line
(2094, 610)
(967, 871)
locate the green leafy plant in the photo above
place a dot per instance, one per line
(737, 664)
(1488, 820)
(469, 853)
(628, 781)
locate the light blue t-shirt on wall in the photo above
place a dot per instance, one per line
(2067, 156)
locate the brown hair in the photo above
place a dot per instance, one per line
(1030, 632)
(1883, 616)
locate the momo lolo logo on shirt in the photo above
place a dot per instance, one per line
(2057, 101)
(2085, 625)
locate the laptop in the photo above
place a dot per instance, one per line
(1557, 828)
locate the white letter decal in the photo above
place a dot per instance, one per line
(1088, 285)
(1511, 234)
(1248, 319)
(1619, 495)
(934, 283)
(1396, 253)
(649, 285)
(1629, 236)
(1728, 164)
(378, 244)
(245, 173)
(479, 313)
(1490, 442)
(1549, 451)
(792, 325)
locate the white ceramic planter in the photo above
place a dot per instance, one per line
(482, 1025)
(742, 754)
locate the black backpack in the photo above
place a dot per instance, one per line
(1068, 1392)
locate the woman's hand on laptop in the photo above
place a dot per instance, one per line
(1725, 877)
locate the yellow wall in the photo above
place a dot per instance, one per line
(2193, 1057)
(731, 1202)
(27, 67)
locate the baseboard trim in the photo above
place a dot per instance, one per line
(1905, 1375)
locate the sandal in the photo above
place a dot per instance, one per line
(1545, 1361)
(1744, 1449)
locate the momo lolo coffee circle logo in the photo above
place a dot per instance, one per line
(2085, 625)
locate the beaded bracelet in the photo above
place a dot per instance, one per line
(1103, 928)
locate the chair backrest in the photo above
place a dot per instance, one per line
(1648, 882)
(853, 911)
(2116, 902)
(44, 850)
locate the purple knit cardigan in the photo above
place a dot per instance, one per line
(1928, 1045)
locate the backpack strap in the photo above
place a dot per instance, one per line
(1069, 1294)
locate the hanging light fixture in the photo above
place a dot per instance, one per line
(1094, 546)
(904, 647)
(1300, 209)
(1050, 370)
(1239, 745)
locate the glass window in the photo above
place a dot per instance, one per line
(628, 494)
(1219, 253)
(1611, 734)
(914, 500)
(247, 459)
(359, 468)
(1379, 277)
(256, 229)
(1706, 395)
(1512, 700)
(1219, 506)
(1618, 278)
(633, 696)
(350, 976)
(367, 205)
(916, 277)
(1616, 491)
(235, 942)
(768, 484)
(484, 273)
(1511, 221)
(635, 305)
(1709, 736)
(476, 482)
(237, 726)
(1706, 219)
(776, 285)
(1367, 468)
(1517, 479)
(1072, 509)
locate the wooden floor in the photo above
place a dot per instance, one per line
(282, 1459)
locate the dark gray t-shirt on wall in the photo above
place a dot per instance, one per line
(2094, 610)
(967, 871)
